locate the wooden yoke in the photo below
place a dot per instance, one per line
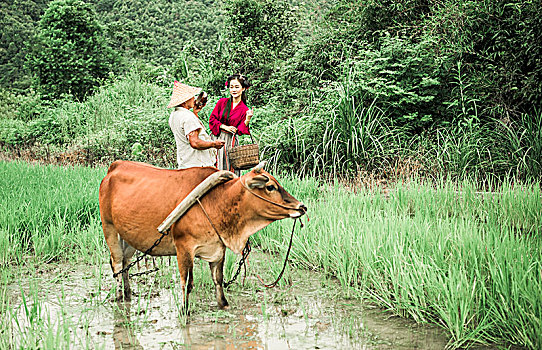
(198, 192)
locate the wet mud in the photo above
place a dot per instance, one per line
(307, 313)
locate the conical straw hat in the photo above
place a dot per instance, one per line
(182, 93)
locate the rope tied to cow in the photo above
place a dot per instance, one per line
(244, 261)
(274, 284)
(142, 256)
(244, 257)
(246, 251)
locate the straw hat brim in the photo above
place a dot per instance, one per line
(182, 93)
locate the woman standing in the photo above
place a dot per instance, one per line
(231, 117)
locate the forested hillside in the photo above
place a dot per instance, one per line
(428, 88)
(152, 33)
(18, 19)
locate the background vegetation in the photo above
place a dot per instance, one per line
(376, 86)
(360, 89)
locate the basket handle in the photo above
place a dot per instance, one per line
(251, 138)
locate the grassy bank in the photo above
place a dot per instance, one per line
(470, 262)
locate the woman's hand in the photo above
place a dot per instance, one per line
(228, 128)
(196, 110)
(248, 116)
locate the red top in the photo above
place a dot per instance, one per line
(237, 117)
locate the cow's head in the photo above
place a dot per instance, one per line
(273, 198)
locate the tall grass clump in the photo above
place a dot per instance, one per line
(518, 146)
(468, 261)
(48, 212)
(337, 134)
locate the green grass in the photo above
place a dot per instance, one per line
(440, 253)
(470, 262)
(48, 212)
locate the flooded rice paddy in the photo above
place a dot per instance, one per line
(75, 302)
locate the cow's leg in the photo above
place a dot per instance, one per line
(117, 254)
(217, 273)
(127, 252)
(186, 264)
(190, 282)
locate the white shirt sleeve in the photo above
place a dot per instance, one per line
(191, 124)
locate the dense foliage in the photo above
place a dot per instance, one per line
(70, 55)
(378, 86)
(18, 23)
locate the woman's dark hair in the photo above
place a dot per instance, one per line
(243, 80)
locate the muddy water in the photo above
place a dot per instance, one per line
(308, 314)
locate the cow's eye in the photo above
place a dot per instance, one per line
(270, 188)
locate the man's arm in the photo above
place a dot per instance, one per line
(199, 144)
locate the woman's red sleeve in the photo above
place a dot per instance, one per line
(214, 122)
(242, 128)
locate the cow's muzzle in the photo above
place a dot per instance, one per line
(301, 210)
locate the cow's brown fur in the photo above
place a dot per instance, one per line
(136, 197)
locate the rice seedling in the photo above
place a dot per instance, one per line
(48, 212)
(433, 254)
(439, 252)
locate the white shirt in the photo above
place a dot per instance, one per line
(182, 122)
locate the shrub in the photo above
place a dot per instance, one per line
(70, 55)
(495, 42)
(13, 132)
(259, 35)
(402, 76)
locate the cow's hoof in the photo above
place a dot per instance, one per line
(185, 313)
(224, 306)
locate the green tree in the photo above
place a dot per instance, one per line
(17, 24)
(70, 54)
(259, 36)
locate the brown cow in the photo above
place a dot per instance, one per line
(136, 197)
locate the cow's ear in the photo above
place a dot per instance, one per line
(257, 181)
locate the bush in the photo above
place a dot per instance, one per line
(13, 132)
(495, 43)
(70, 55)
(402, 76)
(20, 106)
(259, 34)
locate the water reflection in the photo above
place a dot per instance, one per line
(301, 317)
(124, 334)
(236, 334)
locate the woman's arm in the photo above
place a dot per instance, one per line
(214, 122)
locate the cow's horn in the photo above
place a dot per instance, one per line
(258, 168)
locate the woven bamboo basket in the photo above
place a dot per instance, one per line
(245, 156)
